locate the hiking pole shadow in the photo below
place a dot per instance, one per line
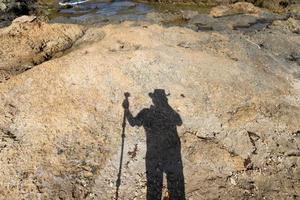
(118, 182)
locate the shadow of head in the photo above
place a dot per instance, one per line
(159, 97)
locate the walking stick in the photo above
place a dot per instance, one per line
(118, 183)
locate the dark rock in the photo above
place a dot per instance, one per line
(239, 21)
(10, 9)
(202, 19)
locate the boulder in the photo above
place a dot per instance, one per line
(233, 9)
(10, 9)
(30, 41)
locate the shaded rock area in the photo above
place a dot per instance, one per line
(237, 93)
(244, 17)
(274, 5)
(29, 41)
(10, 9)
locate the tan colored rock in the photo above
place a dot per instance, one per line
(233, 9)
(2, 6)
(30, 41)
(48, 2)
(61, 122)
(294, 8)
(290, 25)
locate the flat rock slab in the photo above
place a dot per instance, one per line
(61, 121)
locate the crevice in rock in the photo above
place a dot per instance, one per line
(253, 138)
(9, 134)
(293, 154)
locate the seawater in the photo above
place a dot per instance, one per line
(107, 11)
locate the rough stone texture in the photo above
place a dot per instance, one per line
(29, 41)
(240, 16)
(199, 2)
(282, 39)
(7, 5)
(294, 8)
(10, 9)
(237, 94)
(275, 5)
(237, 8)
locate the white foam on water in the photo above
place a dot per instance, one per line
(72, 3)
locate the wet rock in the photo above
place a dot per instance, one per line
(239, 21)
(189, 14)
(166, 18)
(203, 22)
(270, 17)
(198, 2)
(202, 19)
(242, 5)
(208, 23)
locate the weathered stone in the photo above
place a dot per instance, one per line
(61, 121)
(2, 6)
(233, 9)
(9, 9)
(294, 9)
(238, 143)
(188, 14)
(29, 41)
(290, 25)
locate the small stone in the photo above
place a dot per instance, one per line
(232, 181)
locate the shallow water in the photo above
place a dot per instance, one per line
(103, 11)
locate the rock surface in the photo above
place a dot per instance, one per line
(29, 41)
(275, 5)
(238, 95)
(10, 9)
(233, 9)
(244, 17)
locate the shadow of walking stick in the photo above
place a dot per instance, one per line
(118, 182)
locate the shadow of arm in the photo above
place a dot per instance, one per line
(133, 121)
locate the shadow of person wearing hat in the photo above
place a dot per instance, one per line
(163, 154)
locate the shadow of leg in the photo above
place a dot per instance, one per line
(154, 180)
(175, 177)
(175, 186)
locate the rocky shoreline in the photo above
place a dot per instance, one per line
(10, 9)
(233, 76)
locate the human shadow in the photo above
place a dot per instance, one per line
(163, 154)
